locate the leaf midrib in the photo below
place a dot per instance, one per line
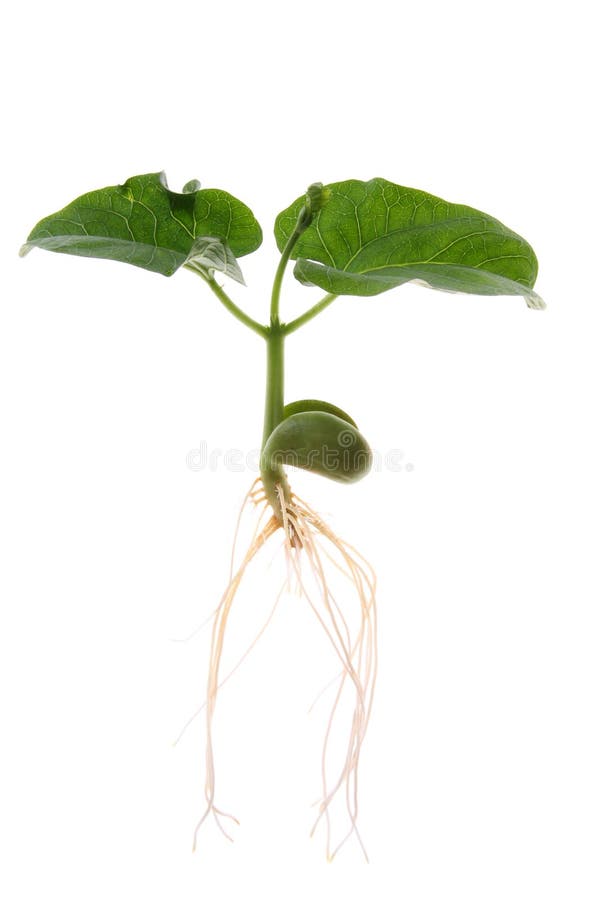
(176, 255)
(408, 265)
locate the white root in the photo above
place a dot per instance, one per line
(358, 654)
(221, 615)
(309, 541)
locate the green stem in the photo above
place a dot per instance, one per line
(275, 382)
(278, 280)
(273, 476)
(228, 303)
(295, 324)
(275, 338)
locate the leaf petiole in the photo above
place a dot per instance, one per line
(315, 198)
(228, 303)
(295, 324)
(277, 281)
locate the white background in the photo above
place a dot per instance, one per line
(480, 772)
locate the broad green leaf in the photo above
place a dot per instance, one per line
(322, 443)
(290, 409)
(374, 235)
(143, 223)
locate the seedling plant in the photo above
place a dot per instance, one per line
(347, 238)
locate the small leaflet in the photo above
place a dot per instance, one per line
(211, 254)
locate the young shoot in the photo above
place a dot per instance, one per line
(347, 238)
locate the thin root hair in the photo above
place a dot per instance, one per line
(310, 544)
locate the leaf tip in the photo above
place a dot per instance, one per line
(534, 301)
(25, 249)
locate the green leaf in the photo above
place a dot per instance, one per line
(374, 235)
(322, 443)
(209, 254)
(290, 409)
(143, 223)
